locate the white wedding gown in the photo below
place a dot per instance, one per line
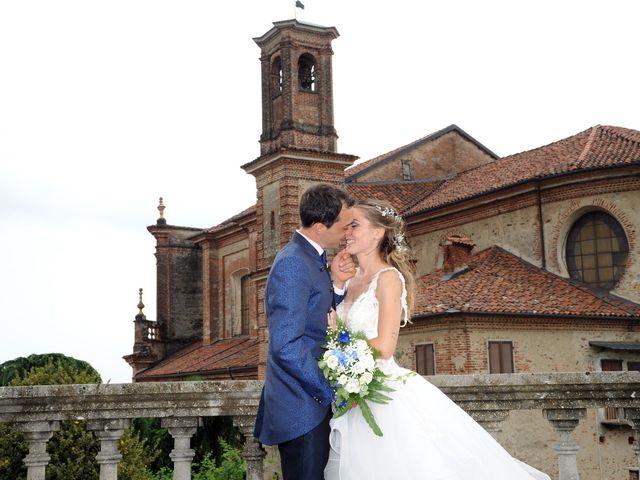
(425, 434)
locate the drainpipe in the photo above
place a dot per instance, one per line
(541, 227)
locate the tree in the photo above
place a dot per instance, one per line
(72, 449)
(14, 371)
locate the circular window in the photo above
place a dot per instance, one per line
(597, 250)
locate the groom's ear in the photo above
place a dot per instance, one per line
(319, 227)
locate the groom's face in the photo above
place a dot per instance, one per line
(332, 236)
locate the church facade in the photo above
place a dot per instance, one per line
(524, 263)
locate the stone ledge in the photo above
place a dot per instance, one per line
(483, 392)
(129, 400)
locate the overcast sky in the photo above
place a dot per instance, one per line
(106, 106)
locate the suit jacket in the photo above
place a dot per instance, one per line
(296, 397)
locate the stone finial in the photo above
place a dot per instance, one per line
(140, 305)
(161, 220)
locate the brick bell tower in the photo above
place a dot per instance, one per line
(298, 140)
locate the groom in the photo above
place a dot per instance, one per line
(294, 409)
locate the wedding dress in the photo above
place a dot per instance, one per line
(425, 434)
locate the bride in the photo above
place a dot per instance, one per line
(425, 434)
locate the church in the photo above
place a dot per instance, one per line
(524, 263)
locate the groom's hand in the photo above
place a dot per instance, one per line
(342, 268)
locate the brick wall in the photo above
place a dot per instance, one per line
(448, 154)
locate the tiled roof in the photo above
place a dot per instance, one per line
(597, 147)
(197, 358)
(356, 169)
(497, 281)
(231, 221)
(401, 195)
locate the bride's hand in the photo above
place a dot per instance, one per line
(332, 319)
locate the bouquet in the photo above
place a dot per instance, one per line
(349, 365)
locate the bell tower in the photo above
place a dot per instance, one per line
(297, 96)
(297, 144)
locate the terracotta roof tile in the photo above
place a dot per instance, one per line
(401, 195)
(236, 352)
(497, 281)
(232, 220)
(597, 147)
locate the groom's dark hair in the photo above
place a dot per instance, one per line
(322, 204)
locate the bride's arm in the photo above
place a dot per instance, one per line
(388, 293)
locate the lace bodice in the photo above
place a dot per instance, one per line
(362, 314)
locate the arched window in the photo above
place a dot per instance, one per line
(597, 250)
(276, 77)
(307, 72)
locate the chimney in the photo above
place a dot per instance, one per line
(457, 250)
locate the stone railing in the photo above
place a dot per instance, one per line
(37, 411)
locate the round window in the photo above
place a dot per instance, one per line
(597, 250)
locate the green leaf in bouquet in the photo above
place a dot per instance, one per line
(377, 385)
(378, 397)
(368, 416)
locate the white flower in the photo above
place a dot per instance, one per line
(352, 386)
(343, 379)
(361, 346)
(365, 378)
(359, 368)
(332, 361)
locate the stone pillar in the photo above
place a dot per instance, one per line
(564, 422)
(633, 416)
(252, 451)
(109, 433)
(491, 420)
(181, 429)
(37, 434)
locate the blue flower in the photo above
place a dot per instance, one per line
(344, 336)
(342, 358)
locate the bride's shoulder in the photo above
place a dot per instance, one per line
(390, 276)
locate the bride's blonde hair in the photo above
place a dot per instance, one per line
(394, 248)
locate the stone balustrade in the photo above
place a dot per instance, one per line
(37, 411)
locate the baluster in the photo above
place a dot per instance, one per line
(109, 433)
(252, 451)
(564, 423)
(37, 434)
(181, 429)
(491, 420)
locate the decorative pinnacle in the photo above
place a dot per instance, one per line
(161, 220)
(140, 304)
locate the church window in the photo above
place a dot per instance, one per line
(597, 250)
(501, 357)
(276, 77)
(407, 172)
(307, 72)
(425, 359)
(272, 220)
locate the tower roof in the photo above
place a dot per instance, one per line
(295, 24)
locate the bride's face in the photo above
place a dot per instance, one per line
(362, 236)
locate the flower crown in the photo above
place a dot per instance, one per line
(399, 240)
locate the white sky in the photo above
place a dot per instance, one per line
(105, 106)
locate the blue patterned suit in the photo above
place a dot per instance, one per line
(296, 397)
